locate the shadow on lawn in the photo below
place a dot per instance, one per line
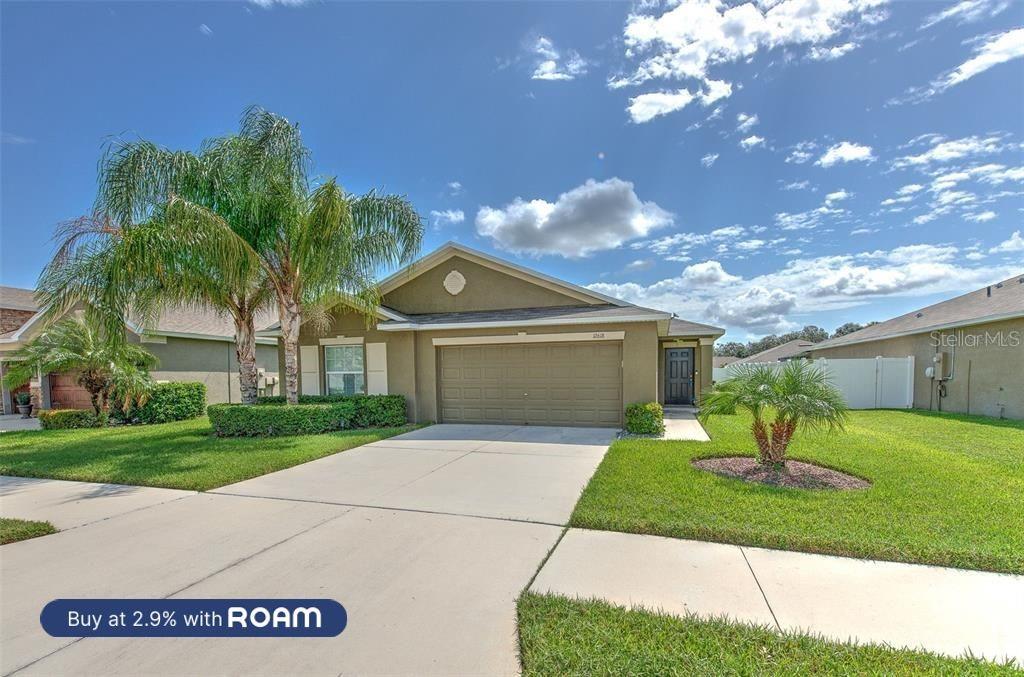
(965, 418)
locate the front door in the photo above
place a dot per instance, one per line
(679, 376)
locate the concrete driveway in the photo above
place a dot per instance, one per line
(427, 539)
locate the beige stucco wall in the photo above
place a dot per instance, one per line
(210, 362)
(412, 356)
(987, 379)
(702, 367)
(486, 289)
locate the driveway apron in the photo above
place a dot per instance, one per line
(427, 539)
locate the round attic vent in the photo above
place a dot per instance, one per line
(454, 282)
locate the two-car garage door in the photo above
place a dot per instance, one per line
(577, 383)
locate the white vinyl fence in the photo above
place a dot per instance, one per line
(866, 383)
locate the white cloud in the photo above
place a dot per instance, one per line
(639, 264)
(996, 49)
(750, 245)
(909, 189)
(454, 187)
(863, 231)
(981, 217)
(745, 122)
(689, 38)
(552, 64)
(755, 308)
(646, 107)
(709, 159)
(707, 273)
(447, 216)
(15, 139)
(967, 11)
(830, 53)
(845, 151)
(802, 152)
(677, 246)
(837, 196)
(588, 218)
(205, 30)
(752, 141)
(267, 4)
(1014, 244)
(947, 150)
(797, 185)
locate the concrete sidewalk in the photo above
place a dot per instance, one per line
(948, 611)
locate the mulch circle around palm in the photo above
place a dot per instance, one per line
(794, 474)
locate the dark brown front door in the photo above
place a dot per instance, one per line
(679, 376)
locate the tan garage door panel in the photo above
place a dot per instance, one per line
(535, 383)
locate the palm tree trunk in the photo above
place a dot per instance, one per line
(245, 350)
(291, 320)
(764, 450)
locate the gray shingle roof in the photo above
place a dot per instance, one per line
(17, 298)
(200, 321)
(204, 322)
(783, 352)
(678, 327)
(1002, 300)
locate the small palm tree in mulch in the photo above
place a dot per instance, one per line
(781, 399)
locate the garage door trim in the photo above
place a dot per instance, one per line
(531, 338)
(595, 412)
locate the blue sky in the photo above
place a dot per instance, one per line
(759, 165)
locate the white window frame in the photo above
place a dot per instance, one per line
(361, 373)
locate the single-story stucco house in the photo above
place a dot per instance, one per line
(470, 338)
(191, 345)
(972, 347)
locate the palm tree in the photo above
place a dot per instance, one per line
(256, 208)
(138, 270)
(105, 368)
(780, 400)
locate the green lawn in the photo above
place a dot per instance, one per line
(12, 530)
(947, 490)
(181, 455)
(559, 636)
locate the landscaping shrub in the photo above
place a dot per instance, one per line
(645, 418)
(172, 402)
(67, 419)
(268, 420)
(369, 411)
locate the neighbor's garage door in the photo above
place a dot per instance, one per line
(532, 383)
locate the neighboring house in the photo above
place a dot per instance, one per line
(972, 345)
(191, 345)
(786, 351)
(467, 337)
(723, 361)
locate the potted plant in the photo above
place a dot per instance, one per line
(24, 404)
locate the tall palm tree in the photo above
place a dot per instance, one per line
(314, 244)
(780, 400)
(105, 368)
(139, 270)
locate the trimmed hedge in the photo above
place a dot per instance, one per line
(271, 418)
(68, 419)
(172, 402)
(645, 418)
(370, 411)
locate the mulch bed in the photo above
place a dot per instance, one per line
(795, 474)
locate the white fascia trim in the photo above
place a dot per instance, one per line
(910, 332)
(203, 337)
(22, 329)
(412, 326)
(449, 249)
(531, 338)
